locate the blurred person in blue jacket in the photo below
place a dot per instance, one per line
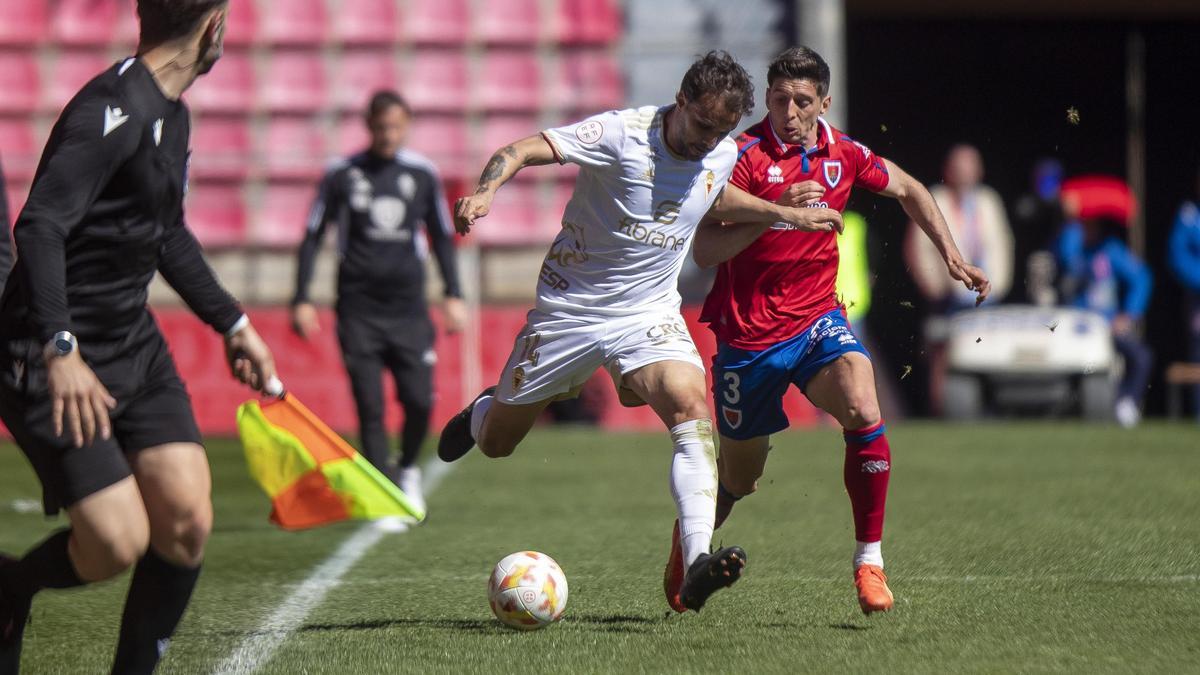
(1183, 255)
(1102, 274)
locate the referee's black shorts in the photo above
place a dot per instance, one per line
(153, 408)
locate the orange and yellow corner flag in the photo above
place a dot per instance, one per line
(312, 476)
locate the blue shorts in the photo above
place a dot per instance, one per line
(748, 386)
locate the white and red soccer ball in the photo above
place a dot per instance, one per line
(527, 590)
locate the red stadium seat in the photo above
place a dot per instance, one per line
(437, 81)
(303, 23)
(17, 192)
(85, 23)
(18, 148)
(593, 81)
(596, 22)
(513, 219)
(241, 23)
(20, 85)
(220, 149)
(294, 149)
(437, 22)
(22, 23)
(511, 82)
(295, 82)
(216, 214)
(352, 135)
(229, 88)
(499, 131)
(361, 73)
(283, 216)
(509, 22)
(366, 22)
(443, 139)
(71, 71)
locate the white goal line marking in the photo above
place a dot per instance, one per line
(257, 649)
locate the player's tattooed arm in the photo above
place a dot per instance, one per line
(495, 169)
(923, 210)
(504, 164)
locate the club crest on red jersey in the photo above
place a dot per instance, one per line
(833, 172)
(732, 417)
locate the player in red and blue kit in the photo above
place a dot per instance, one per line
(776, 314)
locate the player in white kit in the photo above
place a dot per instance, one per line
(607, 291)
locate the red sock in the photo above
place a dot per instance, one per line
(868, 465)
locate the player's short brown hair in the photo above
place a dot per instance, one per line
(165, 20)
(717, 73)
(384, 99)
(800, 63)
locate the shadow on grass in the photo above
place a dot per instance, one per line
(474, 625)
(848, 626)
(612, 623)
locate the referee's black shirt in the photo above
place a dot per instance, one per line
(104, 213)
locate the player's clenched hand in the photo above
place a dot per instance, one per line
(81, 402)
(809, 219)
(454, 311)
(249, 358)
(971, 276)
(801, 194)
(468, 209)
(305, 321)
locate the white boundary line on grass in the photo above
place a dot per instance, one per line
(259, 647)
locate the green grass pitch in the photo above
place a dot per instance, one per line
(1011, 548)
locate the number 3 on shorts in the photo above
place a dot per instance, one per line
(732, 382)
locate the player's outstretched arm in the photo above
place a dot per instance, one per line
(924, 211)
(717, 242)
(735, 205)
(504, 164)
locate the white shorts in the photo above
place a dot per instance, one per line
(553, 356)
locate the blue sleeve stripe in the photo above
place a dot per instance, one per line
(747, 146)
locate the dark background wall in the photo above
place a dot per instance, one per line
(917, 86)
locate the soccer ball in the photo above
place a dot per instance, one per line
(528, 590)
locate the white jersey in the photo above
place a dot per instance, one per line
(631, 218)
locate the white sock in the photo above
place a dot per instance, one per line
(478, 413)
(694, 485)
(868, 553)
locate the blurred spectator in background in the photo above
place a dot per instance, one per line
(6, 256)
(1037, 219)
(1183, 253)
(379, 199)
(975, 214)
(1102, 274)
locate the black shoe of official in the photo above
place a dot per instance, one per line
(14, 614)
(710, 573)
(456, 438)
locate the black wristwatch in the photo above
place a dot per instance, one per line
(62, 344)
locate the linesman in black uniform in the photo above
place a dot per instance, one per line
(379, 199)
(88, 387)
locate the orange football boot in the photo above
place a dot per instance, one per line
(873, 592)
(674, 574)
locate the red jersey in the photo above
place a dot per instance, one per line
(786, 279)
